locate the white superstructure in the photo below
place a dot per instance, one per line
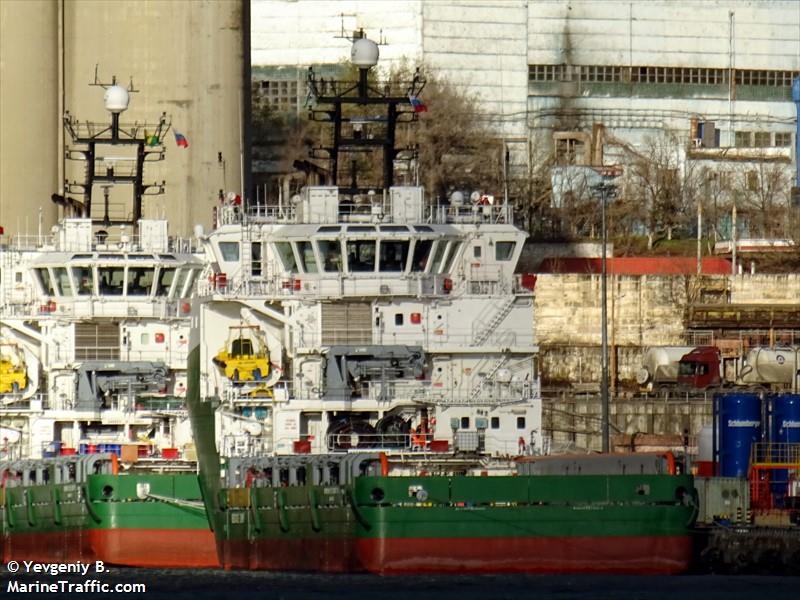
(393, 324)
(94, 314)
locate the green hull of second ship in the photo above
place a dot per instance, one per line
(593, 523)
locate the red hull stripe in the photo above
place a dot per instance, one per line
(327, 555)
(189, 548)
(643, 554)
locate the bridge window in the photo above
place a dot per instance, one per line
(44, 280)
(112, 280)
(438, 255)
(451, 257)
(495, 423)
(193, 273)
(520, 422)
(331, 253)
(63, 284)
(84, 279)
(504, 250)
(286, 255)
(394, 254)
(361, 256)
(165, 278)
(229, 251)
(180, 283)
(307, 259)
(140, 280)
(422, 249)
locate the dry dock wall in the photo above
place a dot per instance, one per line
(643, 311)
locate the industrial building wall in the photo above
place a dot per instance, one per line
(29, 115)
(185, 58)
(579, 53)
(309, 32)
(479, 46)
(639, 68)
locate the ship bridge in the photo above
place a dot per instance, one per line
(331, 251)
(79, 271)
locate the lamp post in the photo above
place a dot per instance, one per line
(606, 189)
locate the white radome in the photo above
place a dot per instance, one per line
(364, 53)
(116, 99)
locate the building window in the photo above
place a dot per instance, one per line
(752, 180)
(770, 78)
(520, 422)
(743, 139)
(476, 251)
(495, 423)
(761, 139)
(398, 318)
(568, 150)
(464, 422)
(783, 139)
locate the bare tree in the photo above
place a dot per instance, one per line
(656, 190)
(456, 147)
(761, 189)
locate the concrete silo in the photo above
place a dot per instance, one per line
(30, 123)
(187, 59)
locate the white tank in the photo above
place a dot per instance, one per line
(770, 366)
(660, 364)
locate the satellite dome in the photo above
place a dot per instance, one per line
(364, 53)
(457, 198)
(116, 99)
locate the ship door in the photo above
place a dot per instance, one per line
(311, 429)
(437, 326)
(442, 376)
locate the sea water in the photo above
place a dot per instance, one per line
(247, 585)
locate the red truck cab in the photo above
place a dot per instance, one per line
(700, 368)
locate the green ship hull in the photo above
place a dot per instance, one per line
(145, 520)
(595, 523)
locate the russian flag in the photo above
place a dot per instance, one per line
(180, 140)
(419, 105)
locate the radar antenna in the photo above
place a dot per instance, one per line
(114, 169)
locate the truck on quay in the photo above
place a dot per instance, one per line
(759, 368)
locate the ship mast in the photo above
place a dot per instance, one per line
(138, 144)
(350, 135)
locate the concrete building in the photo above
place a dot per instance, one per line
(186, 59)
